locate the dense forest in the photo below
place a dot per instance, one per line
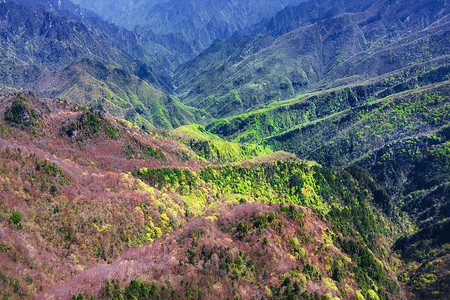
(224, 149)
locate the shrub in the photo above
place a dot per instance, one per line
(272, 216)
(260, 222)
(53, 189)
(242, 228)
(15, 219)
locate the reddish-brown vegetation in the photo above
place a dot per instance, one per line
(86, 222)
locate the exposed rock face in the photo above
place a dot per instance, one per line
(23, 117)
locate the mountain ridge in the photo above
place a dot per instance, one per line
(290, 66)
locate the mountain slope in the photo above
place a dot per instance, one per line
(341, 138)
(95, 205)
(405, 148)
(202, 21)
(49, 40)
(332, 52)
(279, 117)
(85, 188)
(416, 171)
(54, 52)
(110, 89)
(396, 128)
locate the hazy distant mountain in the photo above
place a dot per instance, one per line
(202, 21)
(295, 16)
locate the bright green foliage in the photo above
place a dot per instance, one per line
(214, 148)
(283, 116)
(15, 219)
(334, 194)
(372, 295)
(165, 177)
(126, 96)
(342, 138)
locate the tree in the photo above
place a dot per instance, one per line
(242, 228)
(15, 219)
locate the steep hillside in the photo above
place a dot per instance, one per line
(214, 148)
(309, 12)
(109, 89)
(82, 188)
(335, 51)
(341, 138)
(325, 173)
(48, 40)
(416, 171)
(161, 53)
(86, 61)
(279, 117)
(402, 140)
(198, 21)
(396, 127)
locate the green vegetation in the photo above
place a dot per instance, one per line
(115, 208)
(214, 149)
(223, 225)
(53, 171)
(284, 116)
(175, 179)
(339, 139)
(137, 150)
(286, 182)
(20, 113)
(90, 123)
(15, 219)
(296, 63)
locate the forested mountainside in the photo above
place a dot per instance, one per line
(335, 51)
(79, 60)
(81, 188)
(303, 156)
(48, 40)
(161, 52)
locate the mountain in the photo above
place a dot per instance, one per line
(389, 117)
(110, 89)
(113, 11)
(280, 117)
(203, 21)
(56, 53)
(312, 164)
(295, 16)
(395, 128)
(49, 40)
(94, 206)
(335, 51)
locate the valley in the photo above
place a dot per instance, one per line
(224, 150)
